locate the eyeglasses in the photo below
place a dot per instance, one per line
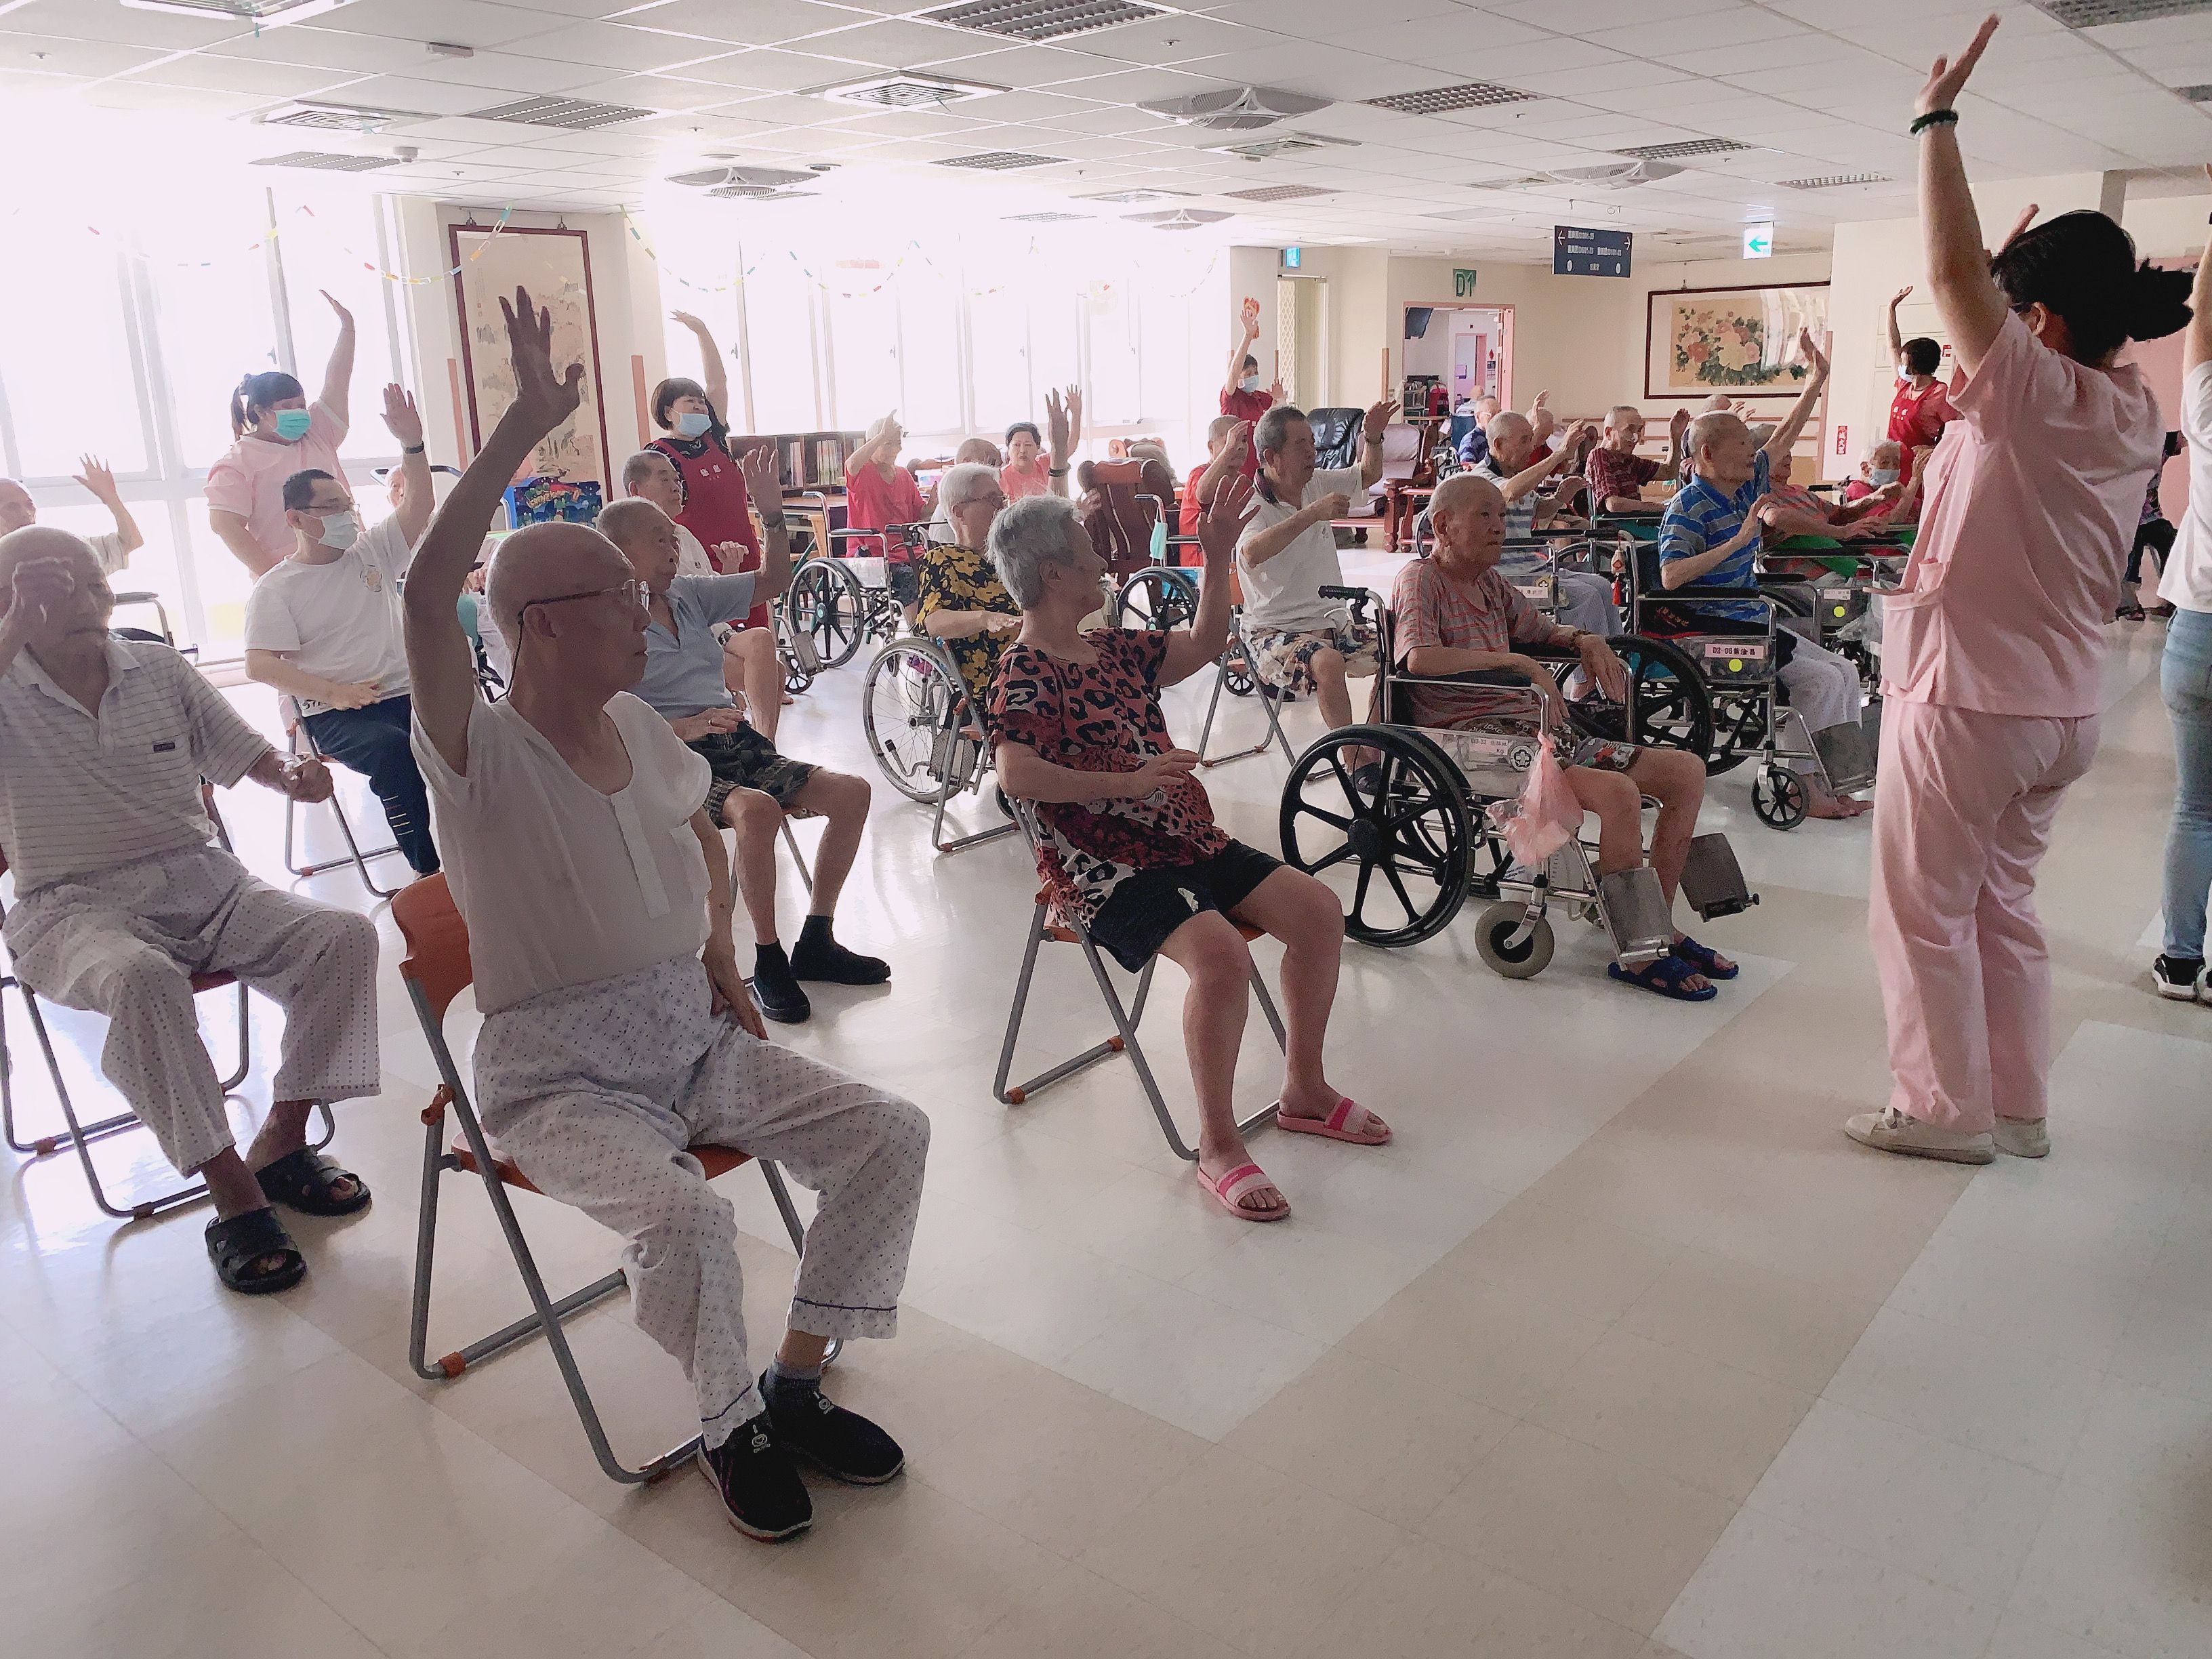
(636, 592)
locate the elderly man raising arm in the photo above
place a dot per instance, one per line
(112, 548)
(1130, 844)
(581, 853)
(119, 899)
(1710, 536)
(1302, 643)
(1585, 600)
(1617, 473)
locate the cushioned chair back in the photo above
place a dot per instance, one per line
(1121, 525)
(437, 959)
(1336, 436)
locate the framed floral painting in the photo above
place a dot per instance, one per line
(1742, 341)
(555, 265)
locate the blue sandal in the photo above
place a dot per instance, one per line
(1664, 978)
(1704, 958)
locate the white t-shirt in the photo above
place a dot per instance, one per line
(691, 558)
(559, 884)
(1285, 593)
(339, 621)
(2188, 581)
(107, 548)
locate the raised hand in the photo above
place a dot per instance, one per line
(345, 317)
(1334, 505)
(401, 416)
(1576, 436)
(1901, 296)
(2026, 218)
(688, 320)
(1075, 414)
(1378, 416)
(544, 397)
(1680, 424)
(1250, 315)
(1813, 356)
(1222, 521)
(762, 473)
(1542, 401)
(1947, 78)
(97, 478)
(39, 589)
(1239, 441)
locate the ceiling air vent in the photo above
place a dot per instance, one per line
(1617, 175)
(1277, 193)
(907, 90)
(1837, 180)
(1131, 197)
(2096, 14)
(1045, 218)
(716, 179)
(1000, 160)
(1526, 181)
(758, 193)
(1685, 148)
(238, 11)
(324, 160)
(1236, 109)
(1294, 143)
(1041, 20)
(1180, 219)
(1442, 100)
(579, 114)
(337, 118)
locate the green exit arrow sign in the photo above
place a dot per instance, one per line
(1759, 242)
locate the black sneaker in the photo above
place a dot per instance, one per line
(774, 989)
(2179, 978)
(819, 957)
(758, 1485)
(814, 1427)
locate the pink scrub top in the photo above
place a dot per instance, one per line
(248, 479)
(2032, 499)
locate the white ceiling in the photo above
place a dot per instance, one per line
(1819, 87)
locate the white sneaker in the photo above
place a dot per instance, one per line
(1890, 1130)
(2022, 1137)
(2179, 979)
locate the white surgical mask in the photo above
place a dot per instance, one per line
(1879, 476)
(340, 529)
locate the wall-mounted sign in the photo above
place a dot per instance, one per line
(1293, 257)
(1462, 284)
(1842, 440)
(1579, 252)
(1759, 242)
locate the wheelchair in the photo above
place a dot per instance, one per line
(843, 601)
(924, 731)
(1426, 829)
(1752, 714)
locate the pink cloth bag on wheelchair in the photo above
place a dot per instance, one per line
(1546, 815)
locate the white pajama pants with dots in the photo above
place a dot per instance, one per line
(595, 1091)
(125, 943)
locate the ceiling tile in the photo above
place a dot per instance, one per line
(616, 46)
(79, 20)
(53, 55)
(465, 23)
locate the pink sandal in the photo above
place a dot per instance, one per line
(1332, 1126)
(1232, 1187)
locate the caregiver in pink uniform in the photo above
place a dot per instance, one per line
(1994, 648)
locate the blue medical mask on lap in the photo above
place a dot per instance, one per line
(693, 424)
(1881, 476)
(292, 424)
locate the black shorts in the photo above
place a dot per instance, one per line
(744, 759)
(904, 582)
(1136, 918)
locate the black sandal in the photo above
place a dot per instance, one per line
(306, 1180)
(238, 1246)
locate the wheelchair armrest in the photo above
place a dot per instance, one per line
(1359, 598)
(1695, 592)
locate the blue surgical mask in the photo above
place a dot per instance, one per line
(341, 529)
(1249, 383)
(1879, 476)
(693, 424)
(292, 424)
(1160, 542)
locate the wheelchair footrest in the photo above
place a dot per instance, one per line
(1845, 756)
(1712, 881)
(1636, 914)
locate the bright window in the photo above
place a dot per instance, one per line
(781, 345)
(68, 375)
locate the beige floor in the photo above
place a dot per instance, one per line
(1621, 1351)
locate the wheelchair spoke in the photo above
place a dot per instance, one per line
(1328, 818)
(1413, 910)
(1359, 892)
(1331, 860)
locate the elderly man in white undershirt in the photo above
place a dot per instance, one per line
(580, 850)
(119, 899)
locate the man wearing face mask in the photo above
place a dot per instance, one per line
(323, 627)
(1242, 398)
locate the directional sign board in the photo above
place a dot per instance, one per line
(1576, 252)
(1759, 242)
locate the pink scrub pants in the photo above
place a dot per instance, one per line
(1961, 819)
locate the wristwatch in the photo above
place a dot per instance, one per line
(412, 449)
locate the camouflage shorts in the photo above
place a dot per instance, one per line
(1285, 660)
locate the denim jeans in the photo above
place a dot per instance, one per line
(374, 741)
(2185, 679)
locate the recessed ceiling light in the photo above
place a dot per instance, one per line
(1277, 193)
(2196, 95)
(1042, 20)
(337, 118)
(327, 161)
(577, 114)
(1133, 197)
(1689, 147)
(1045, 218)
(2096, 14)
(238, 11)
(907, 90)
(1837, 180)
(1438, 101)
(1293, 143)
(1000, 160)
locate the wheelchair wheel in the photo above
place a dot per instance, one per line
(1158, 600)
(907, 704)
(829, 602)
(1739, 730)
(1779, 796)
(1239, 677)
(1667, 706)
(1494, 932)
(1410, 842)
(796, 679)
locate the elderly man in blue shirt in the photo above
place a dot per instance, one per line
(755, 787)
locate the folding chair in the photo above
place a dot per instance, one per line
(436, 970)
(1239, 664)
(1044, 925)
(80, 1134)
(298, 740)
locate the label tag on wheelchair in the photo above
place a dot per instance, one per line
(1734, 651)
(1481, 750)
(1535, 592)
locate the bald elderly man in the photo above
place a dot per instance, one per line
(112, 548)
(1522, 478)
(120, 900)
(618, 1030)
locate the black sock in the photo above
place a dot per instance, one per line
(770, 958)
(815, 935)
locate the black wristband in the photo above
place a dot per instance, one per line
(413, 449)
(1935, 118)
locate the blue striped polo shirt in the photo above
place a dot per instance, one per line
(1700, 517)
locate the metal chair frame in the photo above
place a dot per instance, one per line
(1240, 650)
(1127, 1016)
(296, 735)
(435, 935)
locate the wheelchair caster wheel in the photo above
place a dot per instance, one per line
(1780, 797)
(1495, 936)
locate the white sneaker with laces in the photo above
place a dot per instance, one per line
(2022, 1137)
(1890, 1130)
